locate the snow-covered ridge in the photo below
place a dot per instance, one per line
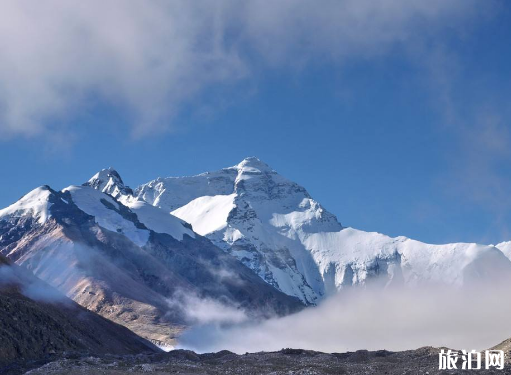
(109, 181)
(505, 247)
(277, 229)
(160, 221)
(235, 207)
(270, 224)
(91, 202)
(35, 204)
(109, 255)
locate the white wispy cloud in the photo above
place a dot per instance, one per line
(373, 319)
(150, 58)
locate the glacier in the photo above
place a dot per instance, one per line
(127, 260)
(268, 223)
(273, 226)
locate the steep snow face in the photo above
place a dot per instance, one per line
(106, 212)
(274, 227)
(355, 255)
(158, 220)
(255, 214)
(174, 192)
(208, 214)
(35, 204)
(505, 247)
(110, 182)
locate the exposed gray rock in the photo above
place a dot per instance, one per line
(423, 361)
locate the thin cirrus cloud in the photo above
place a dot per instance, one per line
(150, 58)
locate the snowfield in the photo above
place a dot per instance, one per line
(208, 214)
(274, 227)
(109, 182)
(33, 204)
(159, 221)
(91, 202)
(128, 260)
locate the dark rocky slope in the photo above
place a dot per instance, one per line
(288, 361)
(38, 323)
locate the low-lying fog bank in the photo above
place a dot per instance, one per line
(371, 318)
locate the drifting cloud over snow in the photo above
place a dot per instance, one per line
(151, 57)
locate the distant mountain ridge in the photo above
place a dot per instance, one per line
(244, 237)
(129, 262)
(278, 230)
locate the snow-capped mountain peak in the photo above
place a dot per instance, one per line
(277, 229)
(267, 222)
(255, 214)
(36, 204)
(109, 181)
(125, 258)
(253, 165)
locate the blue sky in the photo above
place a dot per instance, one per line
(396, 119)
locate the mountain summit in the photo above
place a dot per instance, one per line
(110, 182)
(273, 226)
(244, 237)
(127, 260)
(253, 165)
(251, 212)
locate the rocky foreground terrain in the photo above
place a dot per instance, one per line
(38, 324)
(287, 361)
